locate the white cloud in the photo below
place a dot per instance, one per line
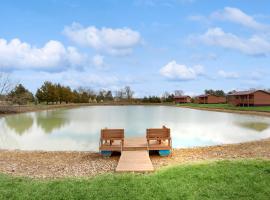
(75, 78)
(113, 41)
(17, 54)
(255, 45)
(98, 61)
(177, 71)
(228, 75)
(236, 15)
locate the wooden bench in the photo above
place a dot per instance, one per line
(159, 139)
(111, 140)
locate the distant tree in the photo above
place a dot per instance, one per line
(68, 96)
(167, 97)
(86, 94)
(101, 95)
(215, 92)
(178, 92)
(47, 93)
(128, 93)
(60, 93)
(124, 93)
(84, 97)
(220, 93)
(108, 96)
(151, 99)
(76, 96)
(20, 95)
(119, 94)
(6, 85)
(210, 91)
(170, 98)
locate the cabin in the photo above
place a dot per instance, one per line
(182, 99)
(249, 98)
(210, 98)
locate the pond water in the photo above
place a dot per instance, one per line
(79, 128)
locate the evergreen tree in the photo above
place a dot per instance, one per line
(20, 95)
(47, 93)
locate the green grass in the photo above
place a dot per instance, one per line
(244, 179)
(228, 107)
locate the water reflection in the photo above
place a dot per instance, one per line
(19, 123)
(257, 126)
(79, 128)
(51, 120)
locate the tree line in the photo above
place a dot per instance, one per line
(56, 93)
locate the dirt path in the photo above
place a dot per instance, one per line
(76, 164)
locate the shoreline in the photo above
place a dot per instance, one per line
(61, 164)
(36, 108)
(243, 112)
(16, 109)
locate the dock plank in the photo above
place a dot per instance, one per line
(135, 143)
(134, 161)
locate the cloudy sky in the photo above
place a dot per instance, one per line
(151, 45)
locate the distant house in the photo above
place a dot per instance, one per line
(182, 99)
(210, 98)
(249, 98)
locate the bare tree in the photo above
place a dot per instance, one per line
(178, 92)
(128, 92)
(165, 95)
(6, 84)
(119, 94)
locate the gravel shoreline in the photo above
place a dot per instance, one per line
(42, 164)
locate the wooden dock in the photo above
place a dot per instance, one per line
(134, 161)
(134, 157)
(135, 144)
(135, 151)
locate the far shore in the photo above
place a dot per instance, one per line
(40, 107)
(245, 112)
(59, 164)
(16, 109)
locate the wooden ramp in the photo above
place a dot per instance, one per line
(134, 161)
(135, 144)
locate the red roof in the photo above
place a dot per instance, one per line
(247, 92)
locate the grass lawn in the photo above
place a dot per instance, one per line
(245, 179)
(228, 107)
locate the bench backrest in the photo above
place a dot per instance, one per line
(162, 133)
(109, 134)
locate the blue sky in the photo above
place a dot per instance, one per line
(151, 45)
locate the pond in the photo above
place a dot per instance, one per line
(79, 128)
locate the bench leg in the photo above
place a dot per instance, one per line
(106, 153)
(164, 152)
